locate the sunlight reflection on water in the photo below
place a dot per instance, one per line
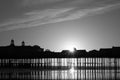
(77, 68)
(61, 74)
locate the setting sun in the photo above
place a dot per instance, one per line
(70, 46)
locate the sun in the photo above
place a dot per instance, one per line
(70, 47)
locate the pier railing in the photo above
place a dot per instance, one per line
(61, 68)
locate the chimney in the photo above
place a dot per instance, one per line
(23, 43)
(12, 43)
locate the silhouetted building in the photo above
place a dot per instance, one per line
(82, 65)
(37, 51)
(23, 43)
(75, 49)
(65, 51)
(12, 43)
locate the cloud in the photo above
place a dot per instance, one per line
(40, 17)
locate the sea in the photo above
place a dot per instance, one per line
(60, 69)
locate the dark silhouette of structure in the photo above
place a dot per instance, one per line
(99, 63)
(12, 43)
(23, 43)
(25, 51)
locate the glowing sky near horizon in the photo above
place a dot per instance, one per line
(59, 24)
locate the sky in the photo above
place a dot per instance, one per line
(61, 24)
